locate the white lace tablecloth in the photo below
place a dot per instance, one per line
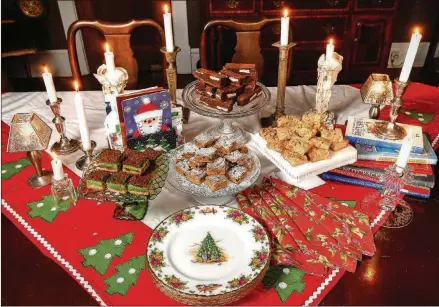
(345, 101)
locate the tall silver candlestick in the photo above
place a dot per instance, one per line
(64, 146)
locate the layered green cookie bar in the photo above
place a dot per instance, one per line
(136, 163)
(109, 160)
(96, 180)
(139, 185)
(117, 183)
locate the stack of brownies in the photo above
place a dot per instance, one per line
(213, 160)
(122, 172)
(234, 83)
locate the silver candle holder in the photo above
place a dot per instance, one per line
(83, 162)
(64, 146)
(326, 77)
(390, 130)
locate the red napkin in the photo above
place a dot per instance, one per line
(324, 254)
(286, 243)
(356, 221)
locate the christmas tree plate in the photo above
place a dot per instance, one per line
(158, 170)
(201, 192)
(208, 255)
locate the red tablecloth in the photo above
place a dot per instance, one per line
(61, 236)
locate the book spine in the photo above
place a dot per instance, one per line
(353, 174)
(379, 143)
(380, 157)
(369, 184)
(418, 169)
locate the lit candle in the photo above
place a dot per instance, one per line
(406, 148)
(50, 87)
(330, 50)
(167, 17)
(82, 119)
(58, 172)
(410, 56)
(284, 28)
(109, 58)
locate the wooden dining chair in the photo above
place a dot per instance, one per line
(118, 36)
(247, 48)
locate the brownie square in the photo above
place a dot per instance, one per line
(139, 184)
(196, 175)
(237, 174)
(96, 180)
(117, 183)
(109, 160)
(217, 167)
(216, 182)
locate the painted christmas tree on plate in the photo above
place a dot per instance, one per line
(208, 251)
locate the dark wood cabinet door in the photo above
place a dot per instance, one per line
(371, 40)
(375, 5)
(276, 6)
(232, 7)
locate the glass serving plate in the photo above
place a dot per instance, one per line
(201, 192)
(192, 101)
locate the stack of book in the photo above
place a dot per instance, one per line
(375, 155)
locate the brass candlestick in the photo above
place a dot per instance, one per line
(171, 75)
(390, 130)
(85, 160)
(281, 84)
(65, 146)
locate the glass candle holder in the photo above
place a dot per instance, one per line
(63, 191)
(391, 198)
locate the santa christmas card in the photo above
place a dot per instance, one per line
(145, 113)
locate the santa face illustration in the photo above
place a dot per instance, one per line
(149, 122)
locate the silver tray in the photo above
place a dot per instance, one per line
(192, 101)
(180, 182)
(155, 185)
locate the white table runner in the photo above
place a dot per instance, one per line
(345, 101)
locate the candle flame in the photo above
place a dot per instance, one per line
(107, 47)
(285, 13)
(331, 41)
(54, 156)
(76, 85)
(46, 69)
(166, 9)
(417, 30)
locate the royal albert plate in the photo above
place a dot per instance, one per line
(207, 251)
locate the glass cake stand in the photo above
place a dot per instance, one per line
(226, 126)
(201, 193)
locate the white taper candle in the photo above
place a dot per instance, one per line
(58, 172)
(284, 28)
(329, 50)
(169, 36)
(406, 148)
(50, 87)
(410, 56)
(82, 119)
(109, 59)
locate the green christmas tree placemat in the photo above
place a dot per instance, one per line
(422, 117)
(47, 209)
(100, 256)
(285, 281)
(126, 276)
(12, 168)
